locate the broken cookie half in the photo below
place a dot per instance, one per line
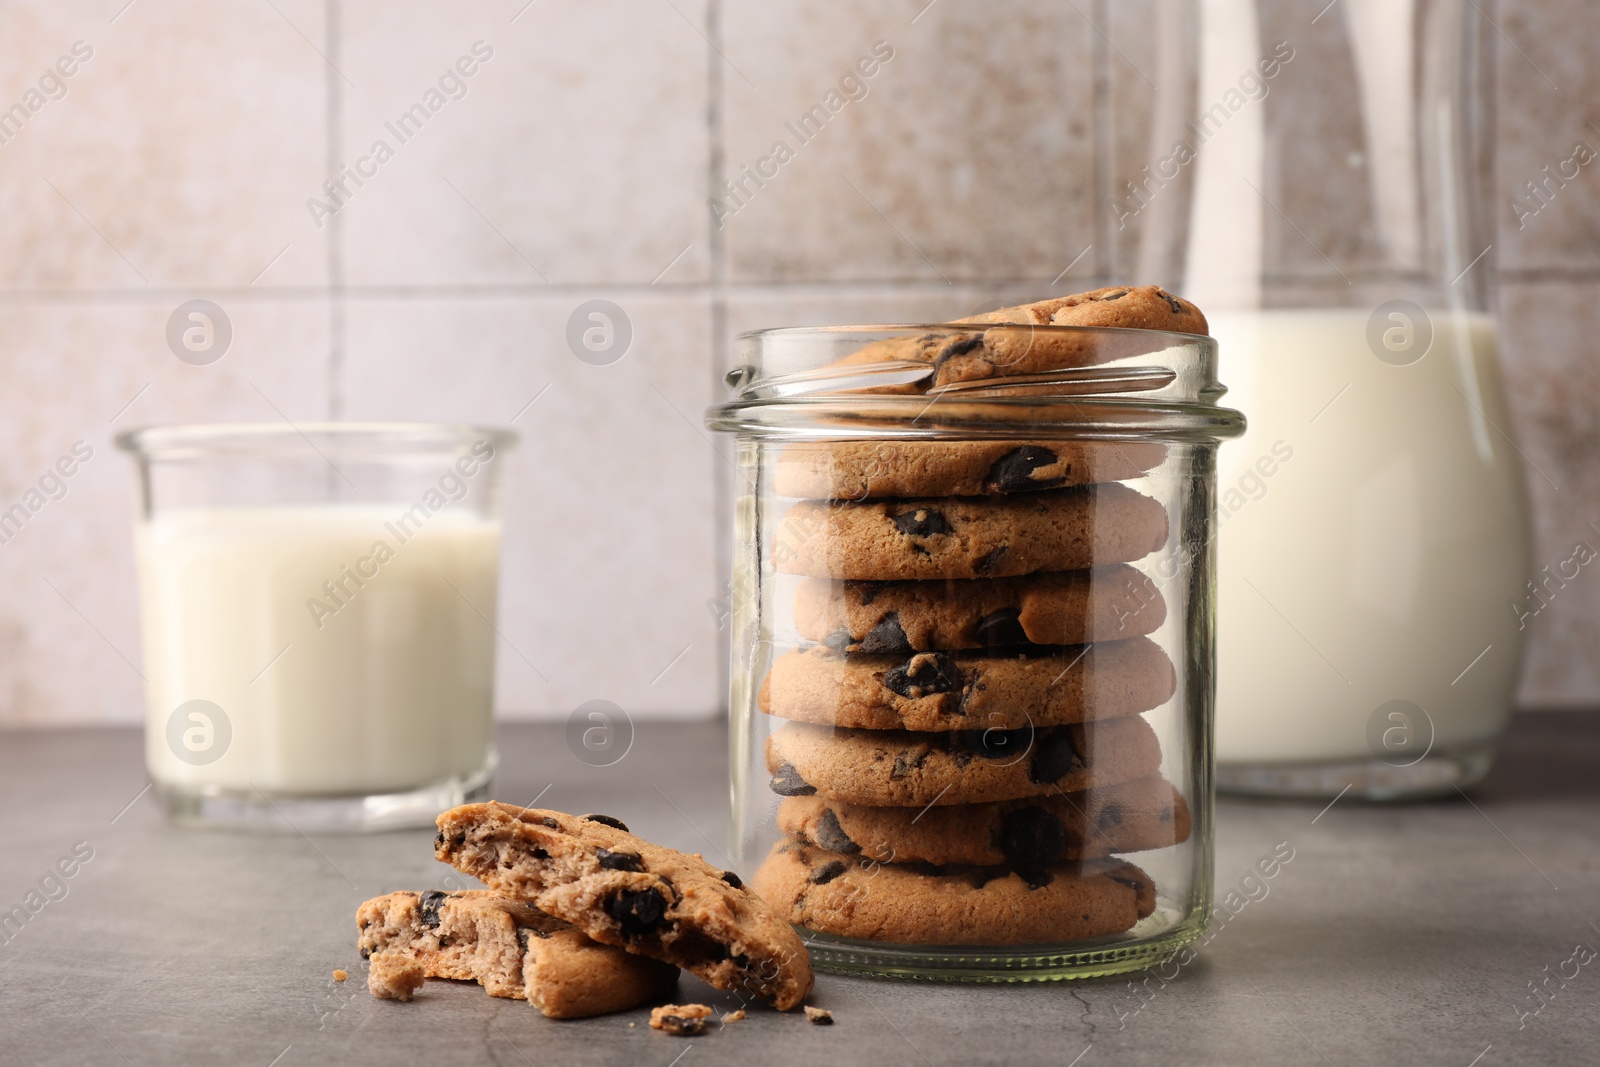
(508, 947)
(624, 891)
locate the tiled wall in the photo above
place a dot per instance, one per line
(575, 162)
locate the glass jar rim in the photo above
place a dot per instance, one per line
(180, 441)
(1173, 399)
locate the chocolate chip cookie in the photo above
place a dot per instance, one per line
(858, 470)
(925, 905)
(939, 691)
(969, 537)
(1132, 817)
(1060, 608)
(1005, 350)
(622, 890)
(896, 768)
(511, 949)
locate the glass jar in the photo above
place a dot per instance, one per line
(1317, 182)
(972, 646)
(316, 610)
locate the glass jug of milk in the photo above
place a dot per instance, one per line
(1316, 185)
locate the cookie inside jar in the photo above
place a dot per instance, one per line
(971, 636)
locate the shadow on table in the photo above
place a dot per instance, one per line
(1546, 755)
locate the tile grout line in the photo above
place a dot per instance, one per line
(722, 485)
(1100, 107)
(1522, 276)
(335, 288)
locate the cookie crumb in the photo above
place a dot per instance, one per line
(632, 1025)
(394, 976)
(340, 974)
(684, 1020)
(734, 1016)
(819, 1016)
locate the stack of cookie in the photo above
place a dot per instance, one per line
(964, 756)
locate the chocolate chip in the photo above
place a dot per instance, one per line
(366, 953)
(905, 763)
(682, 1027)
(831, 836)
(869, 590)
(540, 854)
(733, 879)
(1031, 837)
(1013, 472)
(989, 561)
(1036, 879)
(887, 636)
(838, 641)
(827, 872)
(606, 820)
(458, 840)
(923, 675)
(1054, 757)
(1118, 295)
(619, 860)
(1166, 814)
(428, 907)
(786, 782)
(550, 823)
(1003, 627)
(923, 522)
(1110, 815)
(1172, 301)
(960, 346)
(638, 911)
(1132, 883)
(438, 840)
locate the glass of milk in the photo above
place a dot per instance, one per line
(1316, 182)
(317, 612)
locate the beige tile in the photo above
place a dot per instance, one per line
(181, 153)
(1552, 365)
(609, 552)
(968, 156)
(577, 154)
(1549, 102)
(83, 372)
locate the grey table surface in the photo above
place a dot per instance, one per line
(1435, 933)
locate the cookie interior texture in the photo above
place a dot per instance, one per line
(512, 950)
(622, 890)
